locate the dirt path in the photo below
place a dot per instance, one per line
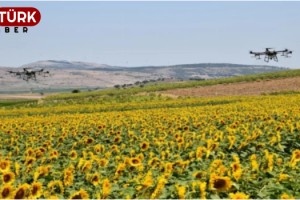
(244, 88)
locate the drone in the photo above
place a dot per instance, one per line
(271, 54)
(28, 74)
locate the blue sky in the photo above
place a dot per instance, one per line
(155, 33)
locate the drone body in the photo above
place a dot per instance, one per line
(28, 74)
(271, 54)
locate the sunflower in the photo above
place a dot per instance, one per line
(148, 181)
(102, 162)
(117, 139)
(153, 162)
(8, 177)
(68, 177)
(254, 164)
(89, 141)
(97, 148)
(29, 160)
(81, 194)
(199, 174)
(286, 196)
(4, 165)
(180, 141)
(106, 187)
(168, 167)
(295, 158)
(236, 166)
(296, 154)
(134, 162)
(141, 156)
(144, 146)
(159, 187)
(279, 161)
(22, 192)
(283, 177)
(36, 190)
(236, 170)
(181, 191)
(53, 197)
(238, 195)
(202, 186)
(87, 166)
(56, 187)
(219, 183)
(115, 148)
(80, 163)
(41, 171)
(6, 192)
(200, 152)
(270, 162)
(73, 155)
(29, 152)
(54, 155)
(121, 167)
(95, 179)
(42, 149)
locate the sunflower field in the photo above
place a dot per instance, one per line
(152, 148)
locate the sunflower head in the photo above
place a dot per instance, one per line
(81, 194)
(286, 196)
(199, 175)
(6, 191)
(106, 187)
(54, 154)
(95, 179)
(87, 166)
(144, 146)
(36, 190)
(181, 191)
(148, 181)
(219, 183)
(136, 161)
(89, 141)
(296, 154)
(56, 187)
(29, 160)
(29, 152)
(238, 195)
(98, 148)
(4, 165)
(8, 177)
(117, 139)
(73, 155)
(68, 176)
(22, 192)
(102, 162)
(115, 148)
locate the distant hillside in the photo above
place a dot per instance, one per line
(66, 75)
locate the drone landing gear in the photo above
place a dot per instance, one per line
(266, 59)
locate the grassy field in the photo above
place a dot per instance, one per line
(15, 102)
(117, 144)
(184, 84)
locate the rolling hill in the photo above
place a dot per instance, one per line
(66, 75)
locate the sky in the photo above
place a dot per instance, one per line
(155, 33)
